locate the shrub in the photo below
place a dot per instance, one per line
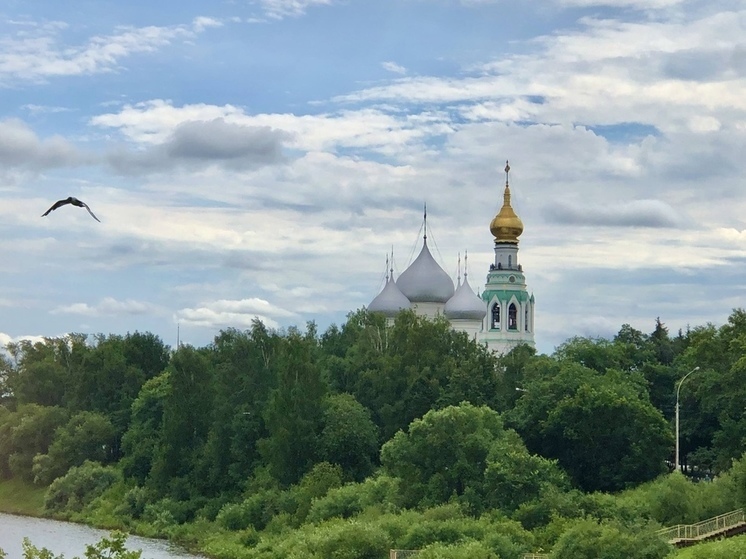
(134, 502)
(167, 512)
(342, 502)
(234, 516)
(77, 488)
(588, 539)
(256, 510)
(353, 540)
(466, 550)
(427, 532)
(353, 498)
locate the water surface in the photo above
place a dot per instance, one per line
(71, 539)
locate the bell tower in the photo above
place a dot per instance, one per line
(510, 308)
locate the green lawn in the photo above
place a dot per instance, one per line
(730, 548)
(18, 497)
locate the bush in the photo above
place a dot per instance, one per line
(134, 502)
(466, 550)
(315, 484)
(353, 540)
(342, 502)
(86, 436)
(167, 512)
(353, 498)
(77, 488)
(234, 516)
(256, 511)
(588, 539)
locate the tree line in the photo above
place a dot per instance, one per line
(263, 428)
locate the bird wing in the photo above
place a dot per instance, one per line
(90, 212)
(56, 205)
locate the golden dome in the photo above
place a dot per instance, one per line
(506, 226)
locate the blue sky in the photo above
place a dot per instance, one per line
(258, 159)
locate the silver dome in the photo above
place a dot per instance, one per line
(389, 301)
(465, 304)
(425, 281)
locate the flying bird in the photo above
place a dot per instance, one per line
(74, 202)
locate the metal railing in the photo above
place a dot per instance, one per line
(535, 556)
(703, 529)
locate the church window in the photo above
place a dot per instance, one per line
(526, 318)
(496, 316)
(510, 261)
(512, 317)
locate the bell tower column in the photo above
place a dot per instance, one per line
(510, 309)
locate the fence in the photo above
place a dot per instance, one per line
(703, 529)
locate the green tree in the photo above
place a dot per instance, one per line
(141, 440)
(78, 487)
(86, 436)
(588, 539)
(512, 367)
(26, 433)
(294, 414)
(601, 428)
(465, 452)
(400, 372)
(712, 426)
(186, 420)
(39, 378)
(662, 344)
(349, 437)
(242, 381)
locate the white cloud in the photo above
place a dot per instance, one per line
(108, 306)
(639, 4)
(155, 122)
(636, 213)
(42, 55)
(41, 109)
(279, 9)
(608, 71)
(201, 23)
(233, 313)
(627, 122)
(394, 67)
(6, 339)
(20, 146)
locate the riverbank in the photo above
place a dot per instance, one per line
(26, 499)
(19, 497)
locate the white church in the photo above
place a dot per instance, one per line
(502, 317)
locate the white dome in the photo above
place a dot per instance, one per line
(425, 281)
(465, 304)
(389, 301)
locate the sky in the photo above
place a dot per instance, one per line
(259, 159)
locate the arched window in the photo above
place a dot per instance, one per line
(512, 317)
(510, 260)
(496, 316)
(526, 319)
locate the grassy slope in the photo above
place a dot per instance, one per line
(18, 497)
(731, 548)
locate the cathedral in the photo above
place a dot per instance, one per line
(502, 317)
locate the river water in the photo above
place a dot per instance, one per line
(71, 539)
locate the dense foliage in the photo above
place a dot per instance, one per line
(372, 436)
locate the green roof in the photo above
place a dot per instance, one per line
(505, 295)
